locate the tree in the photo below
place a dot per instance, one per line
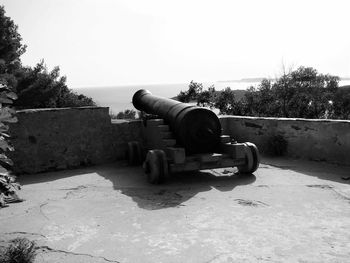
(225, 101)
(341, 104)
(302, 93)
(36, 87)
(11, 47)
(206, 98)
(126, 114)
(249, 102)
(194, 89)
(39, 88)
(305, 93)
(265, 98)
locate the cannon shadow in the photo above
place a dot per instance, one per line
(131, 181)
(178, 188)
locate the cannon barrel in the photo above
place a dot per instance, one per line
(196, 129)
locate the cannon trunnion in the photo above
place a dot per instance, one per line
(186, 138)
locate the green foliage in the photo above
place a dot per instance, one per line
(39, 88)
(225, 101)
(20, 250)
(302, 93)
(341, 104)
(194, 89)
(36, 87)
(11, 47)
(277, 145)
(8, 187)
(126, 115)
(206, 98)
(145, 116)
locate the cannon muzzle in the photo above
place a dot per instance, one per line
(196, 129)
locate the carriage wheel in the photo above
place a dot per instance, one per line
(156, 166)
(252, 159)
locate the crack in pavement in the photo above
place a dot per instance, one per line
(74, 189)
(41, 210)
(217, 257)
(330, 187)
(70, 191)
(49, 249)
(341, 195)
(25, 233)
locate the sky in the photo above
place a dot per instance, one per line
(116, 42)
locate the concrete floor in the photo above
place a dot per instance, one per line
(288, 211)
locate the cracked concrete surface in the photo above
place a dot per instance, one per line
(288, 211)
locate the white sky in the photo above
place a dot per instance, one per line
(116, 42)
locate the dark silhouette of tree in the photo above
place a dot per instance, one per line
(225, 101)
(206, 98)
(36, 87)
(194, 89)
(126, 114)
(303, 93)
(341, 104)
(11, 47)
(39, 88)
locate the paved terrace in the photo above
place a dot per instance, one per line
(288, 211)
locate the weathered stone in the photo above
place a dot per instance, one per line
(55, 139)
(325, 140)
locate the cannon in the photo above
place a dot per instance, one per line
(185, 138)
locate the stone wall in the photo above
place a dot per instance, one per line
(53, 139)
(323, 140)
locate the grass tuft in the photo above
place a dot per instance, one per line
(20, 250)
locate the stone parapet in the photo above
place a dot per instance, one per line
(321, 140)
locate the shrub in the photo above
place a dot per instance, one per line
(277, 145)
(126, 115)
(20, 250)
(8, 186)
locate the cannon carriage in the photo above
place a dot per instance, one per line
(185, 138)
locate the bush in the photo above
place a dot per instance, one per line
(36, 87)
(124, 115)
(194, 89)
(40, 88)
(8, 187)
(20, 250)
(276, 145)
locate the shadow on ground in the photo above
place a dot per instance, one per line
(177, 189)
(321, 170)
(132, 182)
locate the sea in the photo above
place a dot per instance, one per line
(118, 98)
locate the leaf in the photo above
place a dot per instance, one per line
(5, 100)
(5, 135)
(5, 160)
(3, 127)
(6, 115)
(12, 95)
(3, 174)
(4, 145)
(4, 88)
